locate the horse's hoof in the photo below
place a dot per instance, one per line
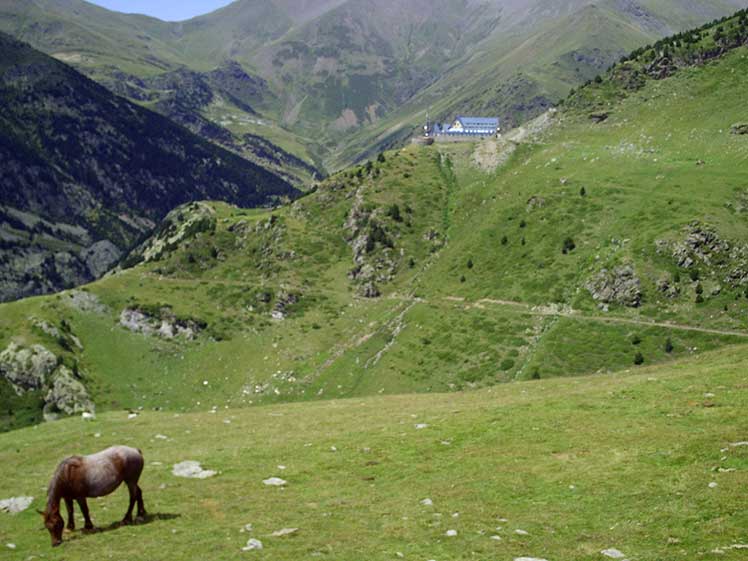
(125, 522)
(140, 519)
(90, 530)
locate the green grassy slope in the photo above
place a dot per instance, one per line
(475, 286)
(627, 462)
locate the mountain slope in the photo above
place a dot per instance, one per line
(599, 238)
(85, 173)
(579, 466)
(346, 78)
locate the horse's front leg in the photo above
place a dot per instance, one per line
(71, 514)
(83, 504)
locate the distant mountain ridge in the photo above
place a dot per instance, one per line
(343, 79)
(85, 174)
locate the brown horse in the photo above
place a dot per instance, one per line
(97, 475)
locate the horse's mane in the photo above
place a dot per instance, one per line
(61, 477)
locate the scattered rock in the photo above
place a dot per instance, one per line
(619, 286)
(166, 325)
(284, 532)
(252, 545)
(739, 128)
(275, 482)
(535, 202)
(14, 505)
(598, 118)
(612, 554)
(496, 538)
(427, 502)
(451, 533)
(713, 485)
(421, 426)
(191, 470)
(85, 302)
(667, 287)
(10, 545)
(87, 416)
(521, 533)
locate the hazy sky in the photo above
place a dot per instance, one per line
(168, 10)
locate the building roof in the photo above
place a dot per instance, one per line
(479, 122)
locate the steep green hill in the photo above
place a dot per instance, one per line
(86, 174)
(650, 465)
(592, 241)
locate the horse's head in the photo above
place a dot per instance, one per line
(55, 524)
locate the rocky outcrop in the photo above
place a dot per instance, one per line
(27, 368)
(180, 225)
(616, 286)
(284, 302)
(66, 396)
(162, 324)
(739, 128)
(702, 244)
(35, 368)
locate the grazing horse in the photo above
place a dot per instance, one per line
(97, 475)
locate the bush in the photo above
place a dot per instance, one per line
(504, 240)
(463, 279)
(699, 299)
(694, 275)
(506, 364)
(522, 223)
(535, 374)
(394, 213)
(669, 348)
(583, 192)
(636, 340)
(470, 264)
(699, 289)
(381, 159)
(639, 359)
(568, 246)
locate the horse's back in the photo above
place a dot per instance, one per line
(107, 469)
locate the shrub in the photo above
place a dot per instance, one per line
(636, 340)
(568, 246)
(522, 223)
(394, 212)
(694, 275)
(411, 263)
(669, 348)
(699, 289)
(535, 374)
(463, 279)
(506, 364)
(639, 359)
(699, 299)
(381, 159)
(583, 192)
(470, 264)
(504, 240)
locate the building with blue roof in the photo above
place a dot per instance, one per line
(466, 127)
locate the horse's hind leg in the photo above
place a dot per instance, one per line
(133, 489)
(71, 514)
(141, 506)
(83, 504)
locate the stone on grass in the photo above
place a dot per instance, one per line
(450, 533)
(275, 482)
(10, 545)
(496, 538)
(284, 532)
(521, 533)
(613, 553)
(252, 545)
(14, 505)
(427, 502)
(192, 470)
(421, 426)
(528, 559)
(713, 485)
